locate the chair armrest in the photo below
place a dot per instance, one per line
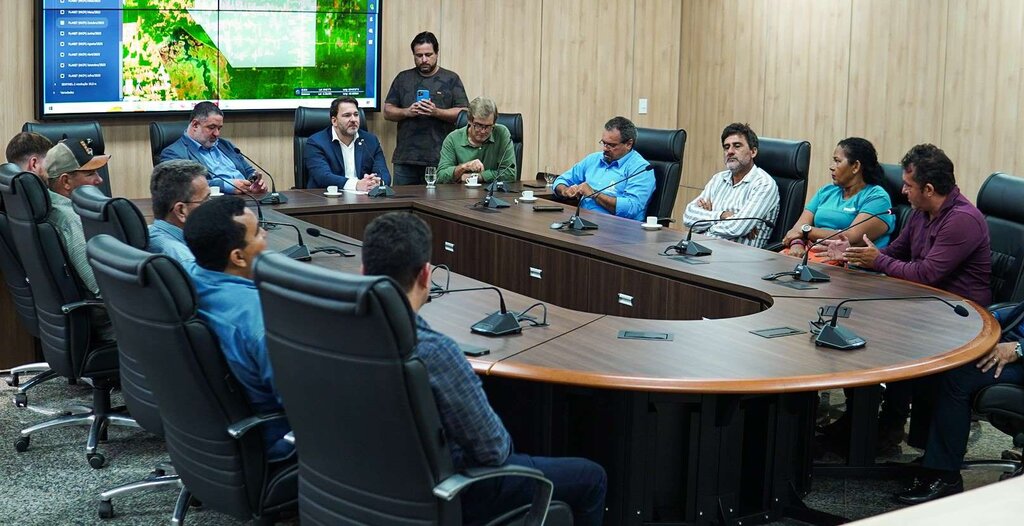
(450, 487)
(79, 304)
(243, 426)
(290, 437)
(1001, 305)
(775, 247)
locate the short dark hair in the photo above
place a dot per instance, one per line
(627, 130)
(25, 145)
(931, 166)
(741, 128)
(336, 103)
(203, 110)
(211, 232)
(425, 37)
(171, 183)
(861, 150)
(397, 245)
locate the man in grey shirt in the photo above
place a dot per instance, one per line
(423, 122)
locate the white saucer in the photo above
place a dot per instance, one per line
(645, 226)
(527, 200)
(477, 185)
(339, 194)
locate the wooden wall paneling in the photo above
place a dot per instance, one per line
(586, 75)
(17, 76)
(897, 71)
(495, 46)
(981, 117)
(721, 79)
(656, 50)
(806, 74)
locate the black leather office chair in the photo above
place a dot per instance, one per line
(664, 150)
(1000, 198)
(121, 219)
(205, 412)
(89, 130)
(788, 163)
(514, 123)
(307, 122)
(24, 305)
(162, 135)
(69, 346)
(395, 470)
(892, 181)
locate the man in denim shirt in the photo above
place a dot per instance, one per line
(397, 245)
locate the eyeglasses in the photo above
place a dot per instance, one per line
(610, 145)
(481, 127)
(205, 199)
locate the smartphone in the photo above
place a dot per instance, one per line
(473, 350)
(422, 95)
(548, 208)
(530, 185)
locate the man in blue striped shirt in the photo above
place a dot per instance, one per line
(616, 161)
(397, 245)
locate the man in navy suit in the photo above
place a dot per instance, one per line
(342, 155)
(202, 142)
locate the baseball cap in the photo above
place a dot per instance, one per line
(70, 155)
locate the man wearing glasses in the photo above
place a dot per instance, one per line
(615, 162)
(741, 190)
(178, 187)
(482, 148)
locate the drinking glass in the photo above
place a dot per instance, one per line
(549, 177)
(430, 175)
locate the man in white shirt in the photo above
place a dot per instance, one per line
(742, 190)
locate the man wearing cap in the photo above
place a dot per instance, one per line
(70, 164)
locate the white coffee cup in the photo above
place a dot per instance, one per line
(473, 179)
(652, 221)
(527, 194)
(215, 191)
(333, 189)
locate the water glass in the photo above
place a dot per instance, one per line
(430, 176)
(549, 177)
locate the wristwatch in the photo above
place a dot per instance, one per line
(805, 229)
(1019, 351)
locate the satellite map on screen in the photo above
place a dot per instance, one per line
(243, 49)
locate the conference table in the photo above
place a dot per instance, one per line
(707, 424)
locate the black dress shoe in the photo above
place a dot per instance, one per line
(925, 489)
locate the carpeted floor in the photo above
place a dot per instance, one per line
(52, 484)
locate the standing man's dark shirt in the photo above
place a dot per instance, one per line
(419, 138)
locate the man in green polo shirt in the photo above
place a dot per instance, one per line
(482, 148)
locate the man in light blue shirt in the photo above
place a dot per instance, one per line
(202, 142)
(615, 162)
(178, 187)
(225, 238)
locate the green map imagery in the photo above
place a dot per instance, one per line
(167, 54)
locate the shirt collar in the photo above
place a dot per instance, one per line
(337, 139)
(621, 161)
(727, 176)
(57, 199)
(490, 139)
(173, 230)
(200, 146)
(217, 277)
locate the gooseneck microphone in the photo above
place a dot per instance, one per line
(495, 324)
(315, 232)
(274, 198)
(844, 339)
(693, 248)
(489, 201)
(259, 210)
(299, 251)
(578, 223)
(803, 272)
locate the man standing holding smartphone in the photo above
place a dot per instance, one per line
(425, 101)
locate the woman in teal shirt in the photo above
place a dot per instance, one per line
(852, 197)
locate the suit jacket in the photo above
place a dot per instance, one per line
(325, 166)
(185, 148)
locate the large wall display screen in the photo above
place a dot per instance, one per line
(124, 56)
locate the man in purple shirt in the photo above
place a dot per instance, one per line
(944, 244)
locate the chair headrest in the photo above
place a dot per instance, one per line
(15, 182)
(119, 261)
(512, 121)
(892, 181)
(61, 130)
(89, 201)
(783, 158)
(660, 145)
(1001, 196)
(311, 120)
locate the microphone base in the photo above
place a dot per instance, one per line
(806, 273)
(332, 250)
(497, 186)
(299, 252)
(839, 338)
(578, 223)
(274, 198)
(381, 191)
(693, 248)
(494, 202)
(498, 324)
